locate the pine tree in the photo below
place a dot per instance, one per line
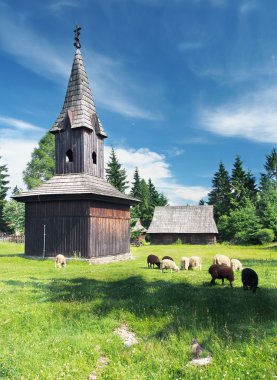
(3, 193)
(42, 164)
(220, 195)
(115, 174)
(135, 190)
(270, 176)
(136, 193)
(267, 204)
(243, 186)
(149, 196)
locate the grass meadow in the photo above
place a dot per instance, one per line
(58, 323)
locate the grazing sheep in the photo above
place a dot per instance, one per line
(167, 258)
(236, 265)
(60, 261)
(222, 260)
(152, 259)
(249, 278)
(169, 264)
(185, 263)
(195, 262)
(221, 272)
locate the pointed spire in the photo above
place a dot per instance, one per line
(78, 104)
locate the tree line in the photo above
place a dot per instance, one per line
(245, 212)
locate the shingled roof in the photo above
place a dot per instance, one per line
(76, 185)
(78, 104)
(139, 227)
(183, 219)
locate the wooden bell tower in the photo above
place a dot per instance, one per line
(77, 210)
(79, 135)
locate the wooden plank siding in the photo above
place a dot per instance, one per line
(110, 229)
(86, 228)
(82, 142)
(171, 238)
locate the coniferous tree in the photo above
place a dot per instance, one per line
(115, 174)
(42, 164)
(220, 195)
(243, 186)
(3, 193)
(156, 198)
(270, 176)
(136, 193)
(267, 204)
(149, 196)
(135, 190)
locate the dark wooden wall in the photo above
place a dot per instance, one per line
(85, 228)
(110, 229)
(83, 142)
(185, 238)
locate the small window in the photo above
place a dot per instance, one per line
(94, 158)
(69, 156)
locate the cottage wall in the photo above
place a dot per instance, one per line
(199, 238)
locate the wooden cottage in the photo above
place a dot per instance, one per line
(77, 212)
(190, 224)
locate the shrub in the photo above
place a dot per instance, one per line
(178, 241)
(265, 235)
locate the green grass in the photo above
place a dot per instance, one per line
(56, 323)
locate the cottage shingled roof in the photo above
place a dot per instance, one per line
(76, 184)
(138, 226)
(183, 219)
(78, 104)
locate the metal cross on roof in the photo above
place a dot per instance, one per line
(77, 43)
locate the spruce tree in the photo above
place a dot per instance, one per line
(267, 204)
(115, 174)
(149, 196)
(270, 175)
(135, 190)
(220, 195)
(136, 193)
(3, 193)
(243, 186)
(42, 164)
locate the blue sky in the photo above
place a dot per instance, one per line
(178, 84)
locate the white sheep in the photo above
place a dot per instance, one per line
(222, 260)
(60, 261)
(169, 264)
(195, 262)
(236, 265)
(185, 263)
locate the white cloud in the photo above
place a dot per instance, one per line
(153, 165)
(16, 154)
(19, 124)
(248, 6)
(113, 89)
(252, 117)
(58, 6)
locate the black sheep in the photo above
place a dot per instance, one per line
(221, 272)
(152, 259)
(167, 258)
(249, 278)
